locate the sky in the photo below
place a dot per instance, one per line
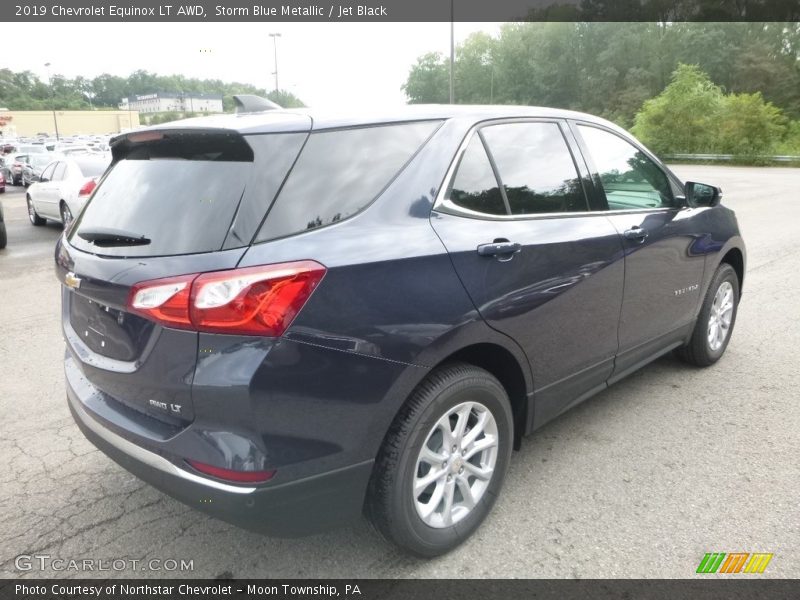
(332, 65)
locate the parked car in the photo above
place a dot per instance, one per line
(369, 312)
(32, 169)
(3, 233)
(63, 188)
(2, 183)
(13, 166)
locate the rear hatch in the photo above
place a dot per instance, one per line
(174, 202)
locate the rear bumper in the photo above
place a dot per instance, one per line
(288, 509)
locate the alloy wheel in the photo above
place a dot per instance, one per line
(455, 464)
(719, 319)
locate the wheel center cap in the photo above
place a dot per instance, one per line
(456, 465)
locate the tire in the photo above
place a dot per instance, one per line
(66, 214)
(35, 219)
(3, 235)
(448, 396)
(704, 349)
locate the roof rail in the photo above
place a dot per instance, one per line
(250, 103)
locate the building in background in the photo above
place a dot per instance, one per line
(28, 123)
(161, 102)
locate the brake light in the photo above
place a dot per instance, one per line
(230, 475)
(87, 187)
(261, 300)
(163, 300)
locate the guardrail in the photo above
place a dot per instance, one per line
(783, 158)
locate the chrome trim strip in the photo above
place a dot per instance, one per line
(149, 458)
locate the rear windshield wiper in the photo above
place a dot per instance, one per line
(113, 237)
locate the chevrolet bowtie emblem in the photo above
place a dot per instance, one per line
(72, 280)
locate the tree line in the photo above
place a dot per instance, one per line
(614, 69)
(23, 90)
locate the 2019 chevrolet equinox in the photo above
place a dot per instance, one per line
(287, 318)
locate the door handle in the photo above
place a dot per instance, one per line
(499, 248)
(636, 234)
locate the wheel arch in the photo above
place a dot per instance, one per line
(504, 366)
(735, 258)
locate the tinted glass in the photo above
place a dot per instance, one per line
(536, 168)
(630, 179)
(182, 194)
(277, 152)
(340, 172)
(474, 186)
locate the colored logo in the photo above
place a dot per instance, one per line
(734, 562)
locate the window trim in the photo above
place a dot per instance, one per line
(599, 190)
(444, 205)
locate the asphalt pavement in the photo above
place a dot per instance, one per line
(640, 481)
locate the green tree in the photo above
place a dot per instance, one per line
(428, 81)
(748, 126)
(683, 118)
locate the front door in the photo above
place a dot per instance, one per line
(663, 267)
(538, 265)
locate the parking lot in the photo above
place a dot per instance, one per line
(640, 481)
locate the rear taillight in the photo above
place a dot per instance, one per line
(87, 188)
(260, 300)
(230, 475)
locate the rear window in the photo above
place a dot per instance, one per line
(92, 168)
(339, 173)
(180, 194)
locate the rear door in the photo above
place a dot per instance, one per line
(538, 265)
(39, 192)
(173, 203)
(663, 267)
(51, 195)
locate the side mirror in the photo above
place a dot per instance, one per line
(702, 194)
(43, 180)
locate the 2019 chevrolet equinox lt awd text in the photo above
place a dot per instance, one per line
(288, 318)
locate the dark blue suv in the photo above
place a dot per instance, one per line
(289, 318)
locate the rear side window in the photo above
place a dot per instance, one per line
(339, 173)
(182, 193)
(474, 186)
(61, 169)
(535, 167)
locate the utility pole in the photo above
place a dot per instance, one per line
(452, 50)
(52, 98)
(275, 37)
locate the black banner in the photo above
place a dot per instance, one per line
(714, 588)
(398, 10)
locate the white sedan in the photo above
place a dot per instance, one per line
(64, 187)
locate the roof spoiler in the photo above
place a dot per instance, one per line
(250, 103)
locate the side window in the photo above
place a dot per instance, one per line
(48, 172)
(340, 172)
(474, 186)
(536, 168)
(630, 179)
(58, 174)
